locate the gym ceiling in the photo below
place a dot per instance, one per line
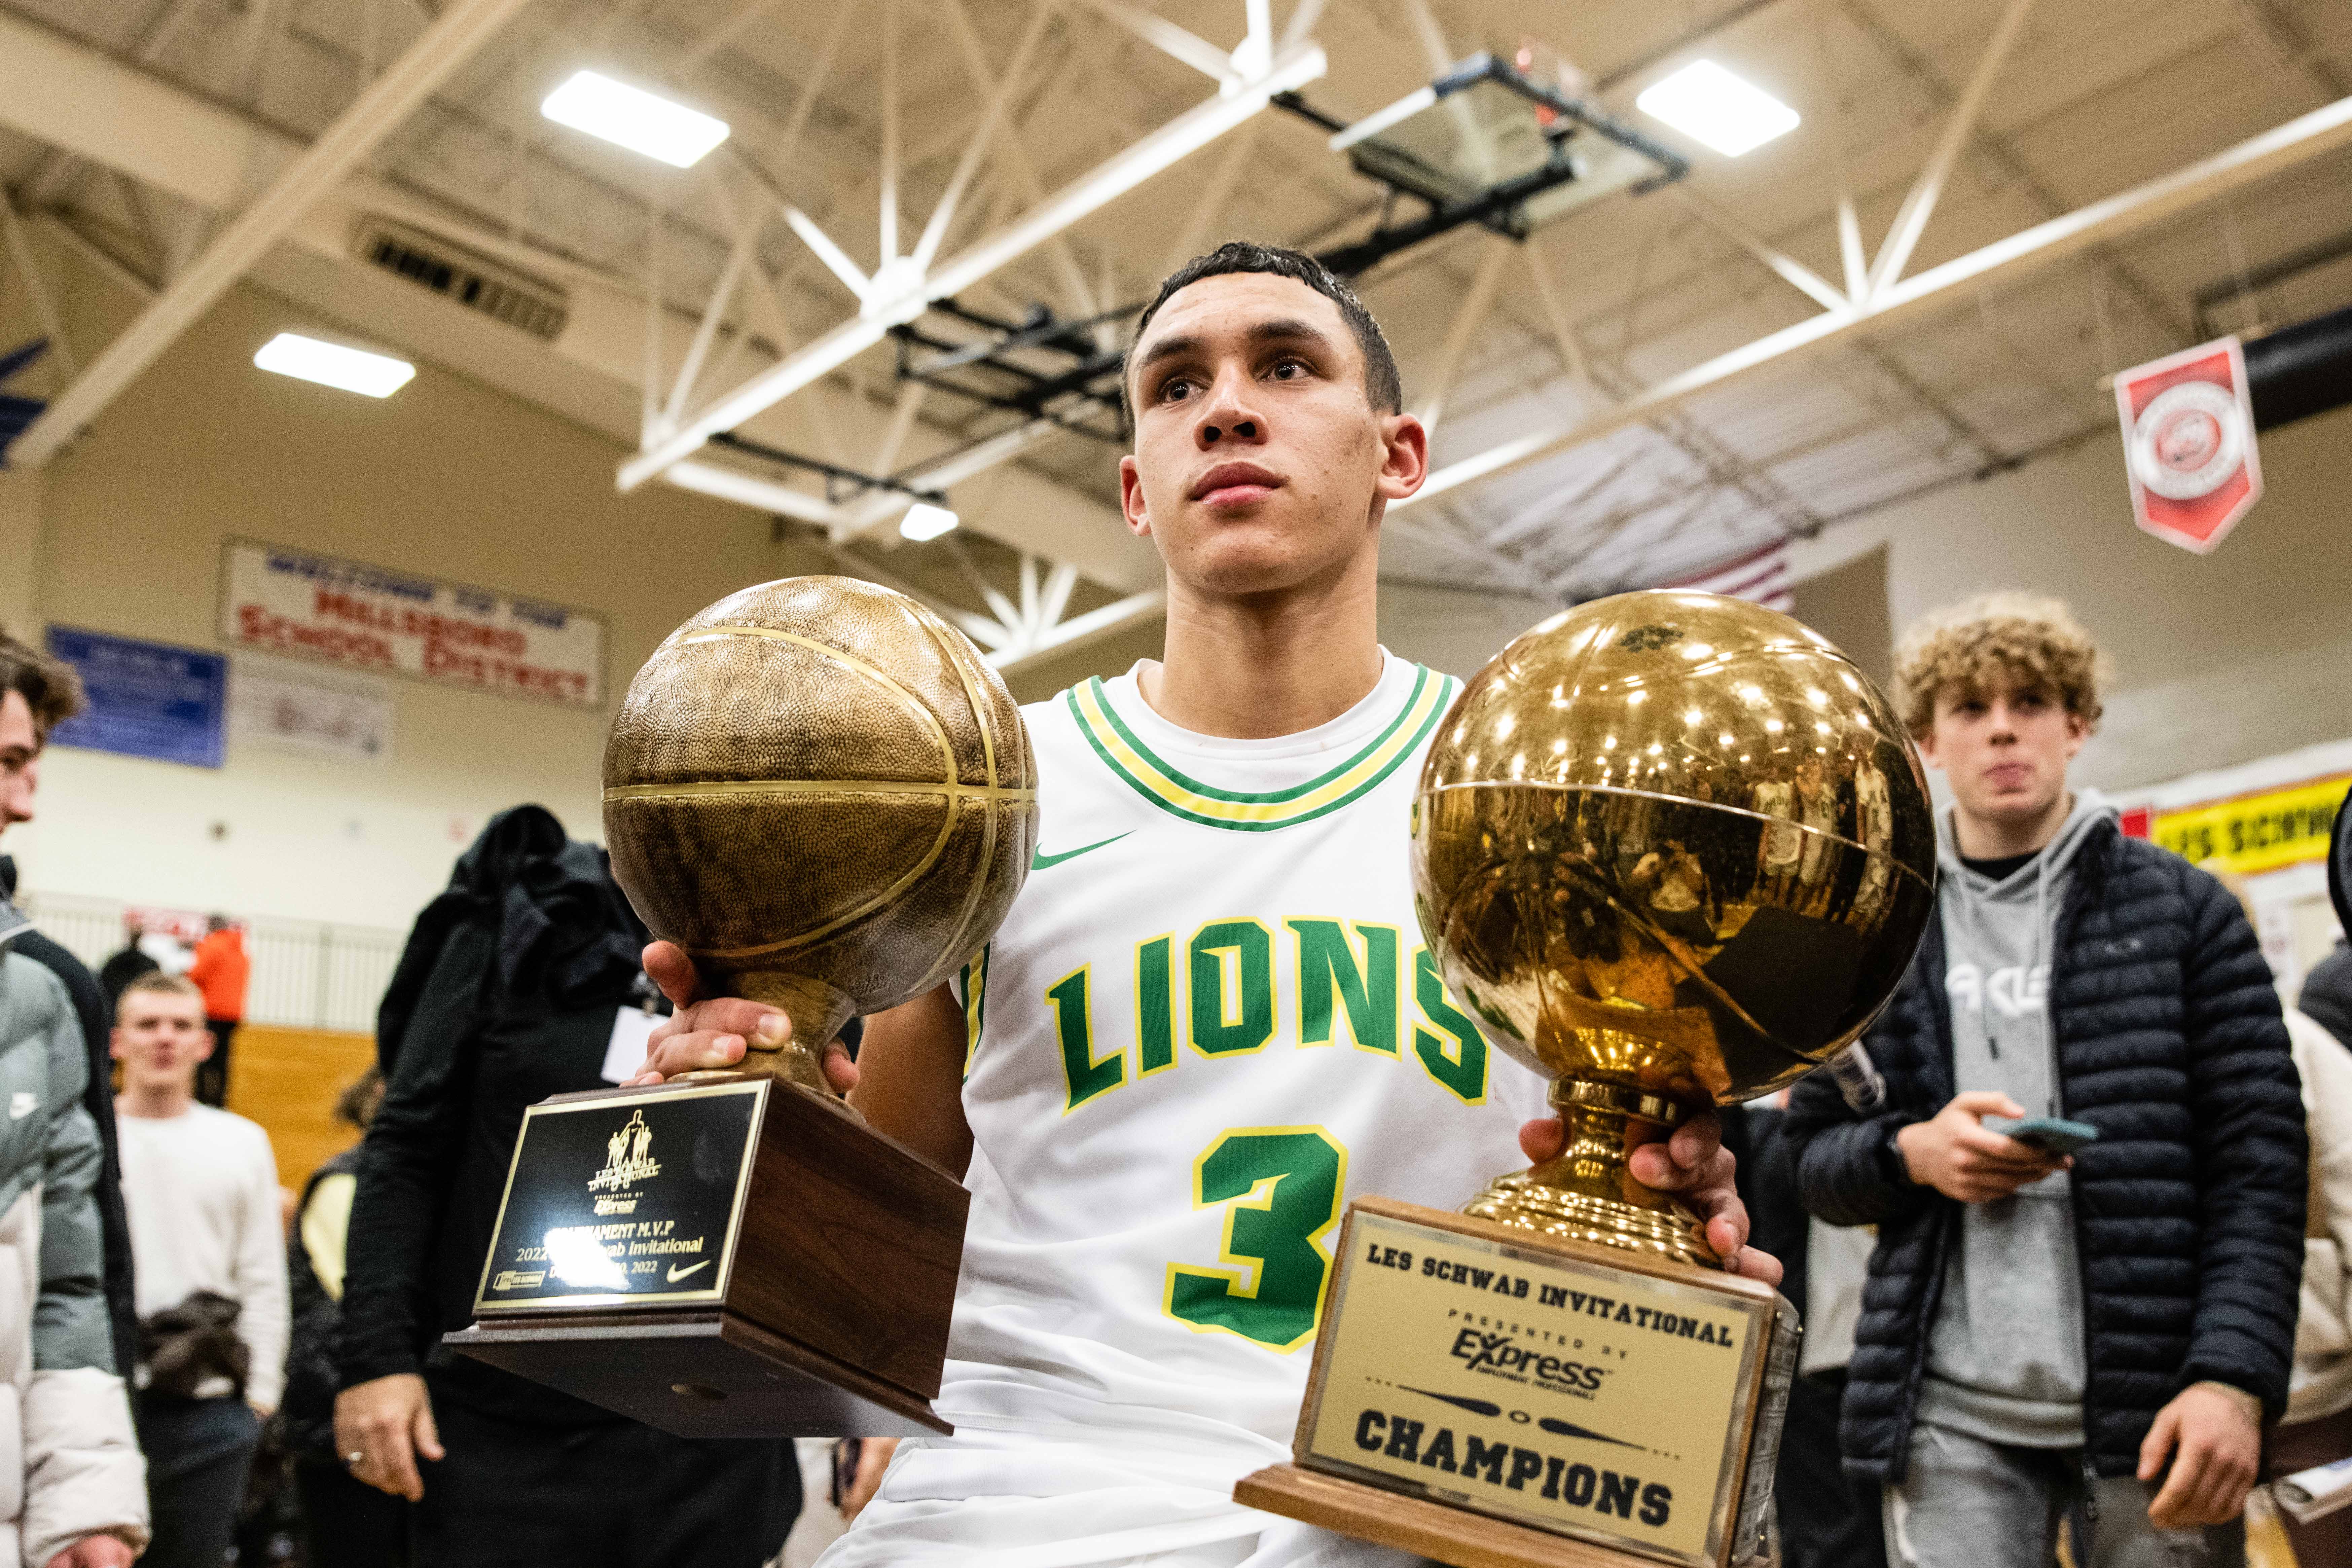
(1987, 207)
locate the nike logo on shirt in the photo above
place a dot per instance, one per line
(1044, 859)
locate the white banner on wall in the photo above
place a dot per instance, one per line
(348, 613)
(331, 715)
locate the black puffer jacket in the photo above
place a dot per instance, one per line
(2188, 1211)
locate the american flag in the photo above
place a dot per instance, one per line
(1760, 576)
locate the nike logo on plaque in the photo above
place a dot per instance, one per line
(676, 1274)
(1043, 859)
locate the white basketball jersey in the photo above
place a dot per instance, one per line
(1208, 1023)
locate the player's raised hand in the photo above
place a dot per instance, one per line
(715, 1031)
(1692, 1164)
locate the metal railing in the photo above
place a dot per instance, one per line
(306, 975)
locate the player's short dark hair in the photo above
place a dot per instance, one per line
(49, 686)
(1383, 388)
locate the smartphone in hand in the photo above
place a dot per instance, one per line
(2052, 1134)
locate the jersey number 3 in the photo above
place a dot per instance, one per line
(1281, 1188)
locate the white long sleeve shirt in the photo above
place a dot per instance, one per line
(201, 1190)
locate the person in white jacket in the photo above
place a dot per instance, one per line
(2318, 1426)
(72, 1485)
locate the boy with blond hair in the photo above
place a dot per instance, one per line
(2097, 1336)
(201, 1185)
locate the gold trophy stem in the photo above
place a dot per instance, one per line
(816, 1009)
(1586, 1192)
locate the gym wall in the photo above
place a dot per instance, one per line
(2218, 659)
(447, 478)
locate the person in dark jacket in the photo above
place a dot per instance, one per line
(506, 994)
(1819, 1521)
(2099, 1336)
(2326, 994)
(125, 964)
(346, 1523)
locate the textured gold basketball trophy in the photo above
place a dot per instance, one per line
(818, 789)
(1675, 851)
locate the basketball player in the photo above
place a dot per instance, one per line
(1209, 1020)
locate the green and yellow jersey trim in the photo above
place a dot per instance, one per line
(1124, 752)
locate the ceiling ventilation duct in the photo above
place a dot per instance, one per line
(2300, 371)
(458, 274)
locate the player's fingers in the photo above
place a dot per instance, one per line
(1654, 1166)
(839, 1071)
(667, 966)
(1696, 1143)
(755, 1021)
(1726, 1233)
(1543, 1137)
(1746, 1259)
(696, 1052)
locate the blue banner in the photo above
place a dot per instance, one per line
(146, 698)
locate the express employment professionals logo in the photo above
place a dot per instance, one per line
(1507, 1356)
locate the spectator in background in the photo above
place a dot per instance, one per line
(69, 1468)
(507, 992)
(1820, 1520)
(346, 1523)
(2326, 995)
(127, 964)
(219, 971)
(94, 1012)
(2318, 1426)
(201, 1185)
(2098, 1337)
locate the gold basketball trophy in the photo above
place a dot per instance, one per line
(820, 791)
(1675, 850)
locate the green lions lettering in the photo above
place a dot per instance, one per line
(1234, 987)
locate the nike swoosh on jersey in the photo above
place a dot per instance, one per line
(676, 1274)
(1044, 859)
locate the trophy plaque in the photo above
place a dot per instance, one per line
(820, 791)
(1675, 851)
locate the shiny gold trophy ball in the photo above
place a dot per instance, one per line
(818, 789)
(1675, 850)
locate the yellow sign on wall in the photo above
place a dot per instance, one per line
(2251, 833)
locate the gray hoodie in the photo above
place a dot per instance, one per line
(2005, 1355)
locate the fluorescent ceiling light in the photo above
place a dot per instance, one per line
(633, 118)
(334, 364)
(923, 521)
(1716, 109)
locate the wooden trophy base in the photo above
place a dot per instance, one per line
(1434, 1530)
(741, 1258)
(1494, 1397)
(701, 1374)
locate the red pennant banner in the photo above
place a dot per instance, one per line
(2189, 443)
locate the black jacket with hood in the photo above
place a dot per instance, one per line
(2189, 1209)
(504, 996)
